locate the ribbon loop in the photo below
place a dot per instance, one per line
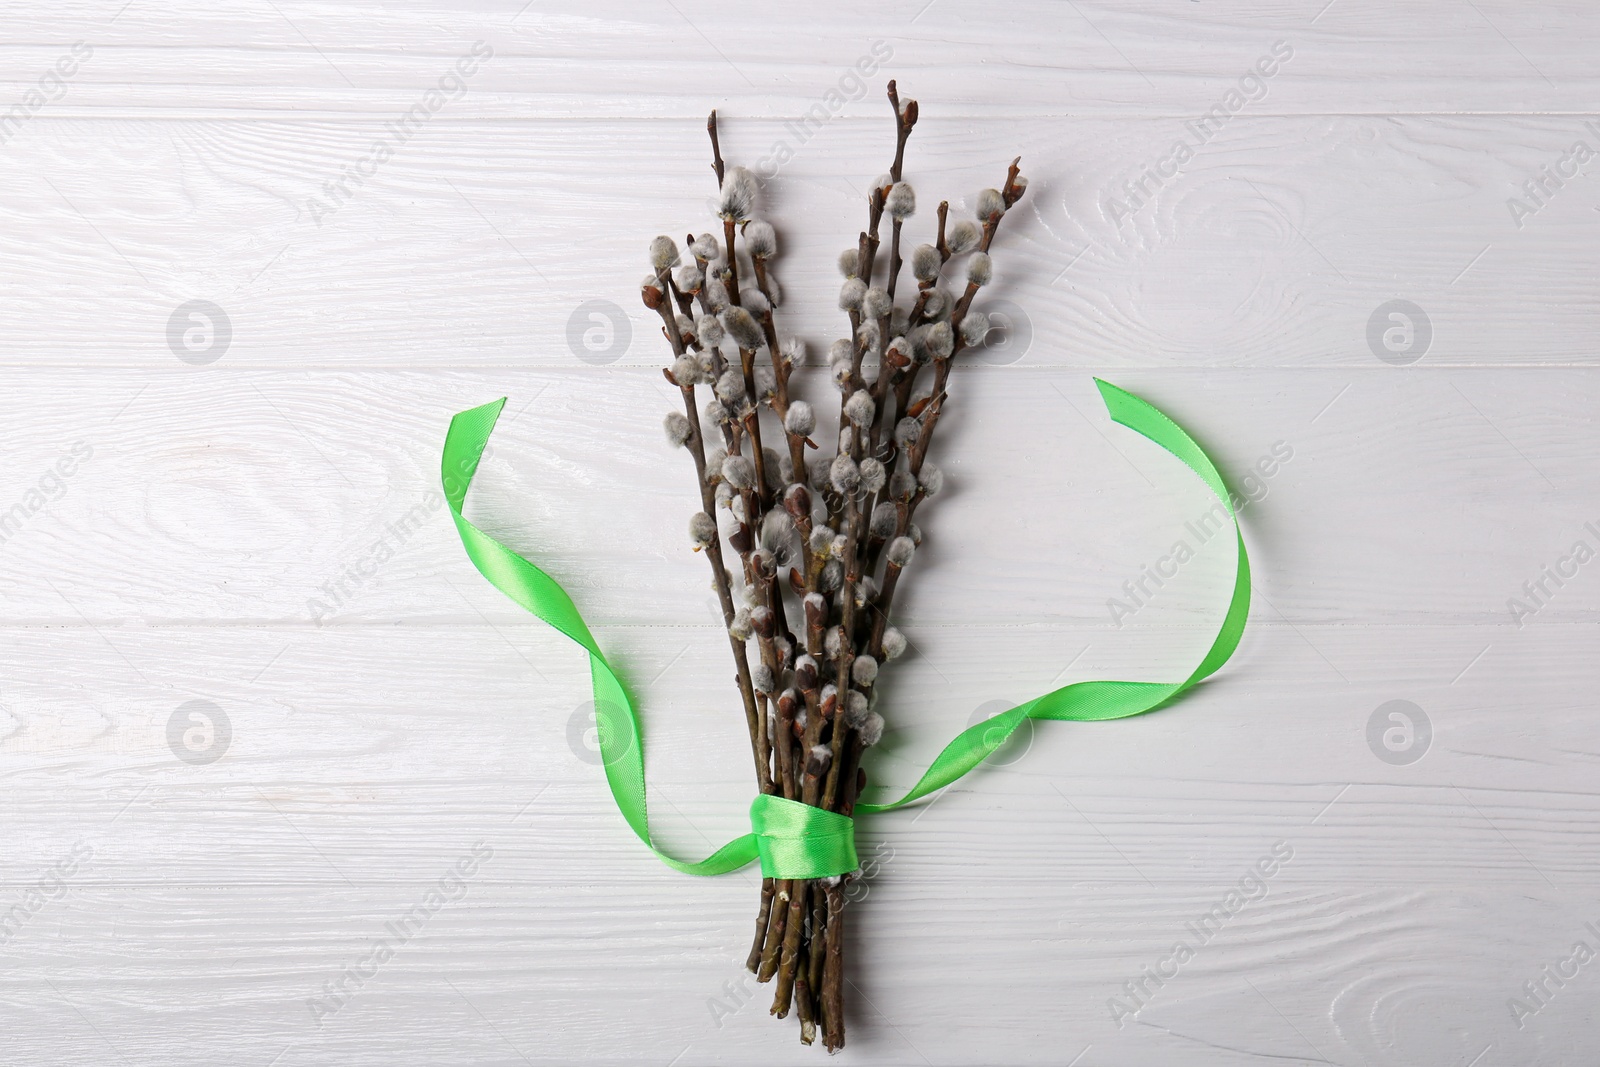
(793, 840)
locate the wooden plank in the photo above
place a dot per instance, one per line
(298, 500)
(480, 244)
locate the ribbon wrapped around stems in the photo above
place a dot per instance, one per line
(790, 839)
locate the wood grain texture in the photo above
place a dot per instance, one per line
(261, 533)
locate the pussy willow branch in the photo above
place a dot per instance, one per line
(782, 900)
(755, 712)
(852, 517)
(857, 565)
(713, 552)
(844, 766)
(904, 120)
(1010, 194)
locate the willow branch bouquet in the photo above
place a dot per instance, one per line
(822, 542)
(822, 534)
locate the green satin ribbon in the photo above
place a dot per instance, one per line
(790, 839)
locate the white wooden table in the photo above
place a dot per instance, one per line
(238, 510)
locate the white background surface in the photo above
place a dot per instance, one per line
(372, 748)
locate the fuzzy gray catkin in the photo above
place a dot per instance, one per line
(702, 529)
(688, 278)
(873, 474)
(755, 301)
(663, 253)
(738, 195)
(990, 202)
(705, 247)
(855, 709)
(678, 428)
(685, 371)
(963, 237)
(716, 293)
(872, 729)
(980, 269)
(876, 303)
(762, 678)
(708, 328)
(869, 335)
(740, 472)
(860, 408)
(760, 240)
(901, 203)
(974, 329)
(743, 328)
(884, 519)
(800, 419)
(844, 474)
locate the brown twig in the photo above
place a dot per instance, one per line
(713, 551)
(716, 150)
(833, 973)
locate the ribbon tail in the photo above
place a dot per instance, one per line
(1095, 701)
(809, 843)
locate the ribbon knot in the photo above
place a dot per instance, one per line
(796, 840)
